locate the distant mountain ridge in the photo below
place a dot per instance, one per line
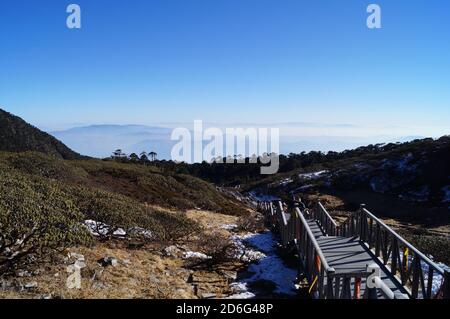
(101, 140)
(16, 135)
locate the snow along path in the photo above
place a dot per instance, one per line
(266, 265)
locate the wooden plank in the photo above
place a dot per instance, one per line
(349, 256)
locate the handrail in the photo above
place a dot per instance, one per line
(404, 242)
(295, 231)
(328, 215)
(328, 269)
(387, 244)
(280, 207)
(326, 221)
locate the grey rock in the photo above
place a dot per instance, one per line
(80, 264)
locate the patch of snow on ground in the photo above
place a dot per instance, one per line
(313, 175)
(229, 226)
(243, 252)
(267, 265)
(102, 229)
(120, 232)
(262, 197)
(141, 232)
(437, 279)
(286, 181)
(194, 254)
(240, 291)
(98, 228)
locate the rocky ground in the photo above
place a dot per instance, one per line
(188, 270)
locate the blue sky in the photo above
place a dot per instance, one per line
(229, 61)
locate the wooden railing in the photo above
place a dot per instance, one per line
(317, 270)
(414, 270)
(324, 282)
(327, 223)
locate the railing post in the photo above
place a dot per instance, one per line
(378, 241)
(447, 284)
(361, 221)
(357, 289)
(329, 293)
(416, 277)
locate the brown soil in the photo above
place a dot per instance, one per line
(140, 273)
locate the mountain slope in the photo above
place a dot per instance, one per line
(16, 135)
(416, 171)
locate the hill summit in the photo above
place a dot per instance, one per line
(16, 135)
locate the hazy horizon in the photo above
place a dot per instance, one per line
(310, 68)
(101, 140)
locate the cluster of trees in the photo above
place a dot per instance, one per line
(242, 171)
(239, 170)
(144, 157)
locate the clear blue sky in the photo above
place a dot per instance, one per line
(230, 61)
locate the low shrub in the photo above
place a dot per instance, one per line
(113, 212)
(36, 219)
(175, 226)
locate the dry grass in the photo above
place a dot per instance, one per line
(144, 273)
(139, 274)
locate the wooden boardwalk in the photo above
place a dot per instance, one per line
(361, 258)
(350, 255)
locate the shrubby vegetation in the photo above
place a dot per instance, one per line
(45, 201)
(36, 218)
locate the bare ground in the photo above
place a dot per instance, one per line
(146, 272)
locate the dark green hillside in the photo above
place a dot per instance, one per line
(44, 202)
(141, 183)
(16, 135)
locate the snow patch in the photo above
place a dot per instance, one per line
(437, 279)
(229, 226)
(313, 175)
(267, 265)
(194, 254)
(101, 229)
(262, 197)
(285, 182)
(240, 290)
(141, 232)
